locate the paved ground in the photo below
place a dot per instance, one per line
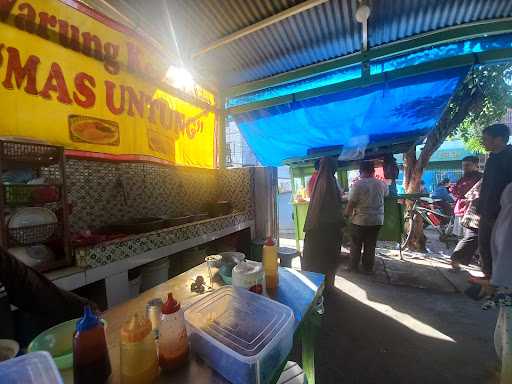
(381, 333)
(408, 324)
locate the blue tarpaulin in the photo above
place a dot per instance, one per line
(401, 107)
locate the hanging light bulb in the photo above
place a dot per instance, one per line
(363, 13)
(180, 78)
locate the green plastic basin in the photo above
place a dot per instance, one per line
(58, 341)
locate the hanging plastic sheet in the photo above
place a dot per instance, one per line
(355, 148)
(403, 107)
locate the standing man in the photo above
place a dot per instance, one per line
(497, 174)
(467, 246)
(470, 177)
(366, 208)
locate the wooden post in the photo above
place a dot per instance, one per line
(220, 141)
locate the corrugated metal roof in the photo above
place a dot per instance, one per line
(321, 33)
(398, 19)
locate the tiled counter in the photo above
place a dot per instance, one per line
(101, 193)
(110, 259)
(119, 249)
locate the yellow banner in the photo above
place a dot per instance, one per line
(71, 77)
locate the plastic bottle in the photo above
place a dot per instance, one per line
(91, 363)
(173, 340)
(270, 264)
(139, 361)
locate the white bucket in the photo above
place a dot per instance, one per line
(154, 273)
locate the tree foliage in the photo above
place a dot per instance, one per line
(481, 99)
(494, 84)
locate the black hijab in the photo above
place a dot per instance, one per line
(325, 206)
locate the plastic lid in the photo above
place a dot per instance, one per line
(248, 268)
(135, 329)
(240, 320)
(171, 305)
(32, 368)
(269, 242)
(88, 321)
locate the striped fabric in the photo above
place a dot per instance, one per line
(471, 218)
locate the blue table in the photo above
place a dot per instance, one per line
(298, 290)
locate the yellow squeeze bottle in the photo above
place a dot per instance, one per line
(139, 361)
(270, 264)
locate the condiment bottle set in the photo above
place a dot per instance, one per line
(140, 356)
(140, 360)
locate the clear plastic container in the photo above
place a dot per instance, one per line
(32, 368)
(243, 336)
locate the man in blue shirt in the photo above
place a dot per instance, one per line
(441, 192)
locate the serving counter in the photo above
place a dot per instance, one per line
(112, 260)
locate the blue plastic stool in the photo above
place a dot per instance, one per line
(286, 256)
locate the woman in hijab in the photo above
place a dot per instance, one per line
(323, 224)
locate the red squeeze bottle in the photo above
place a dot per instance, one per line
(91, 363)
(173, 339)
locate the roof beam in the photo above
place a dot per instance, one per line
(489, 57)
(304, 6)
(446, 35)
(395, 145)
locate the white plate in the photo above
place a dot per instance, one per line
(37, 181)
(33, 255)
(32, 216)
(22, 223)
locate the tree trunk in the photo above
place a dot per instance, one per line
(412, 184)
(413, 167)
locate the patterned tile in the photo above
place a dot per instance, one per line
(115, 250)
(236, 185)
(102, 192)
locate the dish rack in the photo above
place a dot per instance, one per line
(44, 161)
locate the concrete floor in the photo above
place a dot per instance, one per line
(375, 331)
(410, 323)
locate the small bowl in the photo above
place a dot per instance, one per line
(226, 273)
(8, 349)
(58, 341)
(232, 257)
(228, 262)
